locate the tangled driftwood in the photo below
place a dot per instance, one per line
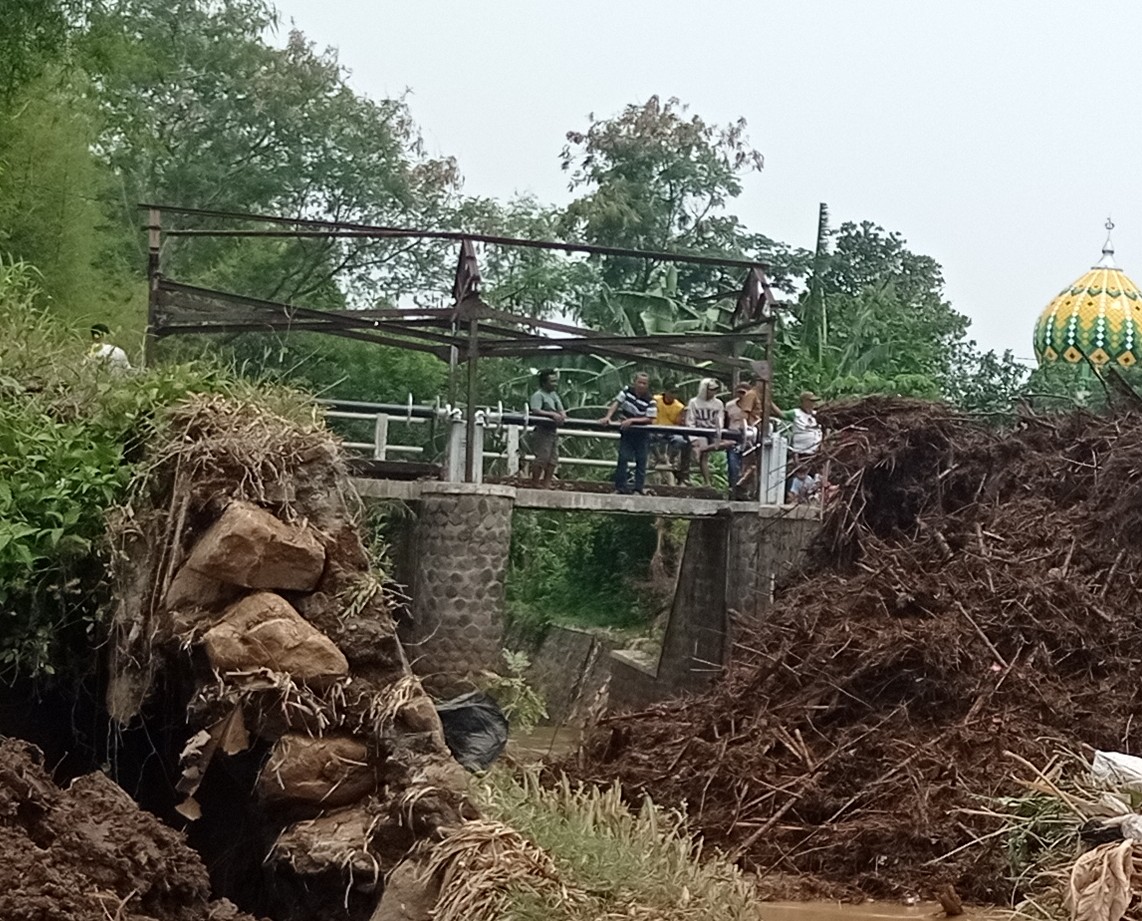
(972, 591)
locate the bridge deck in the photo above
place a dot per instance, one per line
(666, 506)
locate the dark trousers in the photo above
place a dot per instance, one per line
(734, 466)
(634, 445)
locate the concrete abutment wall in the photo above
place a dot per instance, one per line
(729, 567)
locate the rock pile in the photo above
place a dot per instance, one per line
(241, 564)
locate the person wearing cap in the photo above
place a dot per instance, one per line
(106, 353)
(805, 437)
(705, 411)
(736, 422)
(752, 400)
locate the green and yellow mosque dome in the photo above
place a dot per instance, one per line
(1098, 318)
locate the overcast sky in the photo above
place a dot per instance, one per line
(995, 135)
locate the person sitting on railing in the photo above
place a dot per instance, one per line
(546, 406)
(749, 406)
(705, 411)
(806, 430)
(671, 411)
(636, 408)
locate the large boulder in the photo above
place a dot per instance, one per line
(410, 894)
(335, 842)
(264, 631)
(250, 547)
(192, 590)
(327, 771)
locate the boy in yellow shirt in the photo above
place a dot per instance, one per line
(671, 411)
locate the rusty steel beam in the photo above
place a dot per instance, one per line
(345, 228)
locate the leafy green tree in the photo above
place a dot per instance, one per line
(70, 435)
(1060, 386)
(51, 193)
(200, 110)
(35, 33)
(874, 318)
(538, 282)
(988, 383)
(571, 568)
(658, 178)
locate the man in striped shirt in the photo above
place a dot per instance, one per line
(635, 408)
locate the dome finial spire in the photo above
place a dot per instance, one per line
(1107, 260)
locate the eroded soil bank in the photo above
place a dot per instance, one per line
(88, 853)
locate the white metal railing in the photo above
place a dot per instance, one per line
(380, 446)
(512, 428)
(773, 460)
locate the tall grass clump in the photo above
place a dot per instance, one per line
(71, 436)
(605, 861)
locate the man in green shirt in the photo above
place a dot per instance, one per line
(546, 407)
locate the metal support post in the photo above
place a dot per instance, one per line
(454, 453)
(381, 437)
(154, 245)
(766, 399)
(513, 449)
(476, 450)
(471, 468)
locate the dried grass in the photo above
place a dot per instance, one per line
(247, 447)
(378, 716)
(483, 865)
(273, 695)
(605, 861)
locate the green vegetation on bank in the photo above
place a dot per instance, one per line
(72, 435)
(582, 569)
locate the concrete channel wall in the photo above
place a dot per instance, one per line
(453, 557)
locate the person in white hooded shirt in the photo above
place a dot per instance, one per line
(705, 411)
(107, 353)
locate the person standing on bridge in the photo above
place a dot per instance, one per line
(635, 407)
(669, 410)
(546, 406)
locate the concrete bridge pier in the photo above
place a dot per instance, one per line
(457, 559)
(729, 566)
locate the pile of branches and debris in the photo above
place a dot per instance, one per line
(972, 592)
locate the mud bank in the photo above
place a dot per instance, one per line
(88, 853)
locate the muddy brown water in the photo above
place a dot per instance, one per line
(542, 742)
(868, 911)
